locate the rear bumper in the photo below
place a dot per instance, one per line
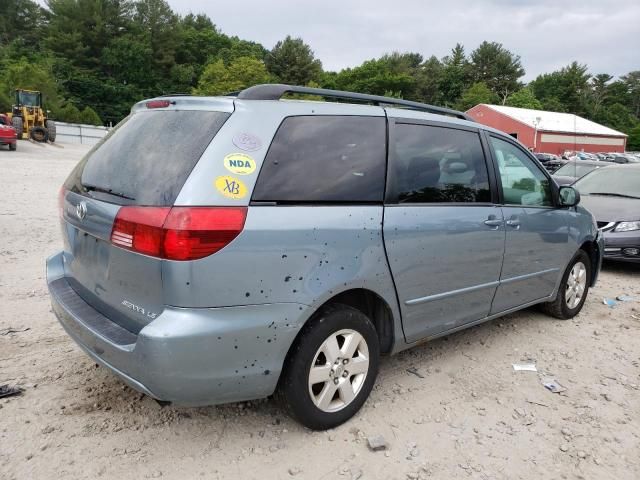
(192, 357)
(7, 141)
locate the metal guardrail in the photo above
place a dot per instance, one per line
(79, 133)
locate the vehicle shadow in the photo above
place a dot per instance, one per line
(621, 268)
(139, 411)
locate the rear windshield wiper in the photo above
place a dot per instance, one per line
(110, 191)
(609, 194)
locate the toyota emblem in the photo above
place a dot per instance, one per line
(81, 210)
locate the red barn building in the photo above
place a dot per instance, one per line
(550, 132)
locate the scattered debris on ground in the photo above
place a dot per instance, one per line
(525, 367)
(553, 386)
(7, 391)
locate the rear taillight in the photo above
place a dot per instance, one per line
(177, 233)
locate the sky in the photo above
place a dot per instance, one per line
(547, 34)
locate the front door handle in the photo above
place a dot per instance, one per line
(493, 222)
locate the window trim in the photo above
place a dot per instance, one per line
(552, 184)
(258, 203)
(391, 191)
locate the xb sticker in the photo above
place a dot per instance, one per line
(239, 163)
(230, 187)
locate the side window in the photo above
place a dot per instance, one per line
(438, 164)
(325, 159)
(522, 181)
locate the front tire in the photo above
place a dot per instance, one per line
(331, 367)
(39, 134)
(573, 289)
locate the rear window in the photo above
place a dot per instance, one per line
(325, 159)
(147, 158)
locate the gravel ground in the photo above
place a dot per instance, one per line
(462, 413)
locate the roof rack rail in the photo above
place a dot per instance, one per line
(275, 91)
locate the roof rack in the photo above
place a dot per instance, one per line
(276, 91)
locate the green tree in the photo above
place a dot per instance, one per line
(633, 142)
(497, 67)
(477, 93)
(199, 43)
(632, 81)
(376, 77)
(30, 76)
(292, 61)
(524, 98)
(218, 79)
(69, 113)
(599, 91)
(618, 117)
(79, 30)
(129, 59)
(455, 76)
(428, 78)
(22, 22)
(569, 86)
(241, 48)
(88, 116)
(157, 25)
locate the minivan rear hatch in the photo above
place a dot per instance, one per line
(142, 162)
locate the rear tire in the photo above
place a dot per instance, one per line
(39, 134)
(51, 130)
(573, 289)
(331, 367)
(16, 122)
(13, 146)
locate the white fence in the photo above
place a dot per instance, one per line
(78, 133)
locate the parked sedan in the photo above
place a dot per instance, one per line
(623, 158)
(612, 194)
(575, 169)
(8, 134)
(544, 158)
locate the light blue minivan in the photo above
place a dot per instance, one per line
(220, 249)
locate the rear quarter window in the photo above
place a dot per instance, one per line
(325, 159)
(147, 158)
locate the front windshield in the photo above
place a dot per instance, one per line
(575, 170)
(29, 99)
(620, 181)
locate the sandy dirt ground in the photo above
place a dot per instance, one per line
(463, 412)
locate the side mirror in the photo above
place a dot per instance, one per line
(568, 196)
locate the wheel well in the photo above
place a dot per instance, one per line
(375, 308)
(591, 249)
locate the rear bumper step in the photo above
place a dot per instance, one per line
(69, 301)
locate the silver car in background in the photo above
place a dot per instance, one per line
(222, 249)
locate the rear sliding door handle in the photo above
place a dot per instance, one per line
(495, 223)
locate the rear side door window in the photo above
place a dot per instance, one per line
(439, 165)
(523, 183)
(325, 159)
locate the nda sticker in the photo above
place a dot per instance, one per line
(230, 187)
(239, 163)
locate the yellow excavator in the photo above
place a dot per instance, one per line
(30, 119)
